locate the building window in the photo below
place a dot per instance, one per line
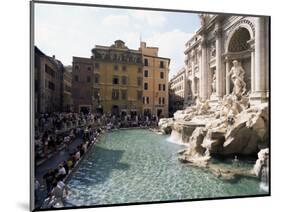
(139, 69)
(124, 94)
(145, 62)
(139, 95)
(159, 87)
(124, 68)
(76, 67)
(163, 100)
(139, 81)
(88, 79)
(51, 86)
(96, 93)
(162, 75)
(164, 87)
(116, 67)
(146, 73)
(161, 64)
(89, 68)
(147, 100)
(115, 94)
(115, 80)
(97, 65)
(76, 78)
(49, 70)
(97, 78)
(124, 80)
(145, 86)
(159, 100)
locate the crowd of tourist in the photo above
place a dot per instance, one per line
(54, 177)
(56, 131)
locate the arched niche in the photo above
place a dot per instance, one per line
(238, 48)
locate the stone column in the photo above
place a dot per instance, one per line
(252, 48)
(260, 59)
(227, 77)
(219, 71)
(204, 73)
(193, 73)
(199, 51)
(185, 81)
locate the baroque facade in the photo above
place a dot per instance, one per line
(210, 53)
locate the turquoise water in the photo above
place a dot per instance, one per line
(129, 166)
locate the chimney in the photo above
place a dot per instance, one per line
(143, 44)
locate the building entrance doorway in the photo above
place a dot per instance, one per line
(159, 112)
(115, 110)
(84, 109)
(147, 112)
(99, 110)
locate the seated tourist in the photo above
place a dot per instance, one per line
(69, 163)
(84, 146)
(37, 189)
(58, 192)
(65, 167)
(77, 155)
(61, 172)
(49, 178)
(81, 150)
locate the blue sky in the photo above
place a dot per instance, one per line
(67, 31)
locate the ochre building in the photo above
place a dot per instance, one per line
(121, 81)
(155, 82)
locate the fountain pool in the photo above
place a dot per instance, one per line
(130, 166)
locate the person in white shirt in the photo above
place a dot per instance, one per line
(37, 189)
(62, 170)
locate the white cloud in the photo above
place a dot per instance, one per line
(153, 19)
(171, 45)
(58, 31)
(116, 21)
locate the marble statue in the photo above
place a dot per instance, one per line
(237, 77)
(202, 107)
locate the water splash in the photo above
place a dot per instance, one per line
(264, 185)
(176, 138)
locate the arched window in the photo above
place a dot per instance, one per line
(239, 40)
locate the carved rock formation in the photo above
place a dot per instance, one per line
(263, 160)
(165, 125)
(228, 128)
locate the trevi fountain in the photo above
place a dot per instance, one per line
(231, 128)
